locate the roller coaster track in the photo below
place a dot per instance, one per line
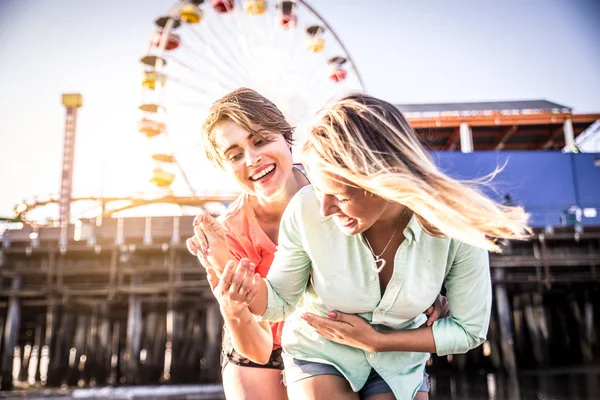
(133, 202)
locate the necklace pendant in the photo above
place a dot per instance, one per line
(378, 264)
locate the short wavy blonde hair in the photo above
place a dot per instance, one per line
(248, 109)
(368, 142)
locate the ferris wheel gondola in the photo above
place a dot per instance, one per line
(200, 51)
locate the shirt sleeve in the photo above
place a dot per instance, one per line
(469, 292)
(290, 271)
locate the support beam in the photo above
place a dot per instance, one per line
(506, 332)
(466, 138)
(134, 334)
(210, 359)
(115, 359)
(569, 136)
(505, 137)
(552, 138)
(49, 340)
(77, 350)
(103, 346)
(12, 328)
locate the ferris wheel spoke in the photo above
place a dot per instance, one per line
(249, 23)
(213, 45)
(191, 104)
(241, 47)
(255, 42)
(224, 85)
(275, 31)
(316, 76)
(185, 177)
(191, 87)
(222, 72)
(190, 147)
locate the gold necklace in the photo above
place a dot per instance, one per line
(378, 260)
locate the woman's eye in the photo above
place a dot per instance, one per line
(263, 141)
(235, 157)
(341, 200)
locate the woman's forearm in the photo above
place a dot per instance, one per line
(250, 338)
(418, 340)
(259, 305)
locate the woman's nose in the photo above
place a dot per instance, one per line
(253, 158)
(328, 205)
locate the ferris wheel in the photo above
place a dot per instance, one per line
(201, 50)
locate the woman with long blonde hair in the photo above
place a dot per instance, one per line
(367, 248)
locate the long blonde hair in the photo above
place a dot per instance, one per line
(368, 142)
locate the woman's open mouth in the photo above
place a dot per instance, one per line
(263, 173)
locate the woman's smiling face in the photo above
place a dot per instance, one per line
(261, 164)
(353, 209)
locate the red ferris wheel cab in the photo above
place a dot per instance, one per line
(338, 73)
(286, 18)
(172, 40)
(223, 6)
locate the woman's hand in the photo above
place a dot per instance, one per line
(439, 309)
(209, 243)
(347, 329)
(237, 287)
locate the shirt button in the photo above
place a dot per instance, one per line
(373, 278)
(371, 356)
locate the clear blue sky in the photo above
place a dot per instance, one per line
(407, 52)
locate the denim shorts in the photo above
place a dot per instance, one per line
(296, 370)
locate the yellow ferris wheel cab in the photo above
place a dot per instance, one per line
(315, 44)
(162, 178)
(151, 78)
(190, 13)
(255, 7)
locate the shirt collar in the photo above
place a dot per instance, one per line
(413, 230)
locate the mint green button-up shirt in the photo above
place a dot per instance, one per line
(328, 270)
